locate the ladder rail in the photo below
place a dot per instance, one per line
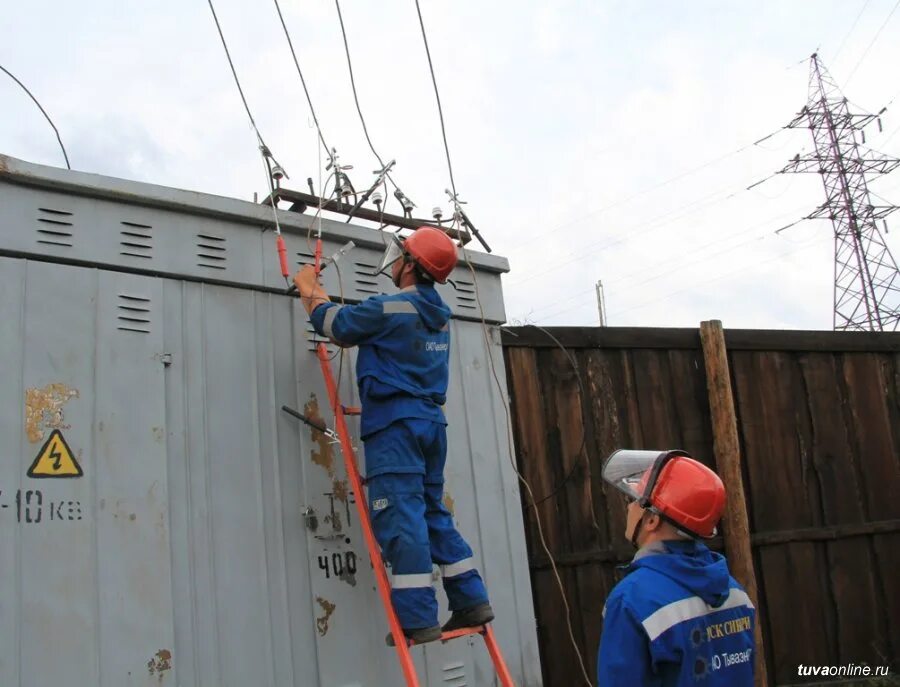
(381, 579)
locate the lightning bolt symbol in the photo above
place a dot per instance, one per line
(56, 456)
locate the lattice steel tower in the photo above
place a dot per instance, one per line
(866, 278)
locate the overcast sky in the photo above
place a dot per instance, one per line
(592, 140)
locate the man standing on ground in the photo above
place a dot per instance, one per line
(402, 371)
(678, 618)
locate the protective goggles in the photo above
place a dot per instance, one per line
(392, 253)
(635, 473)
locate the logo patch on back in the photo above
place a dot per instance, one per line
(379, 504)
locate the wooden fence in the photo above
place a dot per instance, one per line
(818, 426)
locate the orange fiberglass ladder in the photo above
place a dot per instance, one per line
(401, 643)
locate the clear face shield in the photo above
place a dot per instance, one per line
(626, 470)
(392, 253)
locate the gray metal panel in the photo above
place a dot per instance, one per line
(88, 219)
(129, 478)
(12, 468)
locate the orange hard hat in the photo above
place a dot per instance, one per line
(433, 251)
(672, 484)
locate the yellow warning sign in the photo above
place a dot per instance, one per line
(55, 459)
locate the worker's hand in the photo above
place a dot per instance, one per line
(305, 280)
(311, 294)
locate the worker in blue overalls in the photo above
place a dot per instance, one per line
(678, 618)
(402, 371)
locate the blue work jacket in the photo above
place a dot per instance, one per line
(677, 618)
(403, 365)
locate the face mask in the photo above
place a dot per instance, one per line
(392, 253)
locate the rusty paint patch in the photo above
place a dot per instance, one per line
(339, 489)
(160, 663)
(322, 622)
(449, 503)
(325, 455)
(44, 409)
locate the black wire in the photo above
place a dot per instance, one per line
(437, 95)
(852, 27)
(234, 74)
(871, 43)
(43, 112)
(582, 450)
(287, 35)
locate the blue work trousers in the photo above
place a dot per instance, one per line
(405, 479)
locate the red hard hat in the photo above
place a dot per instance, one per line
(684, 491)
(689, 494)
(433, 251)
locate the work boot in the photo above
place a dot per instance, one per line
(420, 635)
(475, 616)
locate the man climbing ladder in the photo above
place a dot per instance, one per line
(403, 373)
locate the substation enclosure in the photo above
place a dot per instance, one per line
(162, 521)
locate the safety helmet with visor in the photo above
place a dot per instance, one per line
(430, 249)
(671, 484)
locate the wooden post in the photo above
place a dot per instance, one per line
(728, 461)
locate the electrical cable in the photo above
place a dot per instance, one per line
(584, 423)
(644, 228)
(362, 119)
(43, 112)
(522, 479)
(486, 336)
(847, 35)
(287, 34)
(660, 274)
(437, 96)
(237, 81)
(871, 43)
(810, 244)
(637, 194)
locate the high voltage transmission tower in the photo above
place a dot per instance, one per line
(866, 278)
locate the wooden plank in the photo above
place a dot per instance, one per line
(674, 338)
(653, 383)
(852, 588)
(608, 413)
(600, 337)
(728, 460)
(621, 553)
(690, 404)
(527, 409)
(811, 534)
(877, 462)
(771, 406)
(558, 659)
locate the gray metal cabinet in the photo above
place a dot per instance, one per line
(210, 539)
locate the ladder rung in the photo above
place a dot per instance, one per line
(454, 634)
(351, 410)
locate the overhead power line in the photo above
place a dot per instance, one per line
(847, 35)
(637, 194)
(237, 81)
(287, 34)
(362, 119)
(871, 43)
(437, 96)
(43, 112)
